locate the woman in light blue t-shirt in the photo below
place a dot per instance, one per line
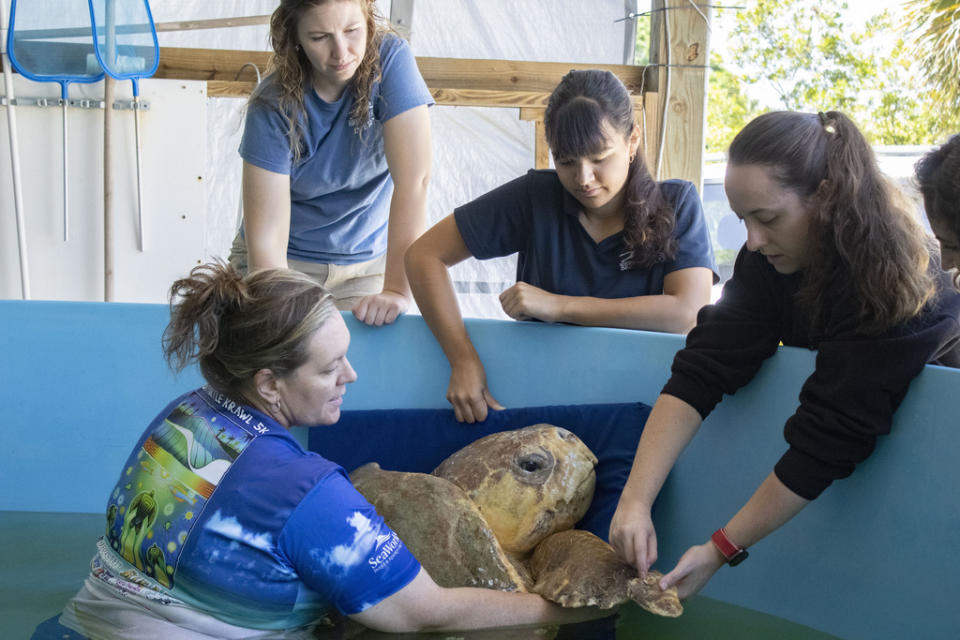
(337, 152)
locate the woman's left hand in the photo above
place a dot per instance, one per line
(694, 570)
(524, 301)
(381, 308)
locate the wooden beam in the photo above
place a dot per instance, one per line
(460, 74)
(182, 63)
(452, 82)
(214, 23)
(500, 75)
(685, 110)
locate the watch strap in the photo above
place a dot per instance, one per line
(734, 553)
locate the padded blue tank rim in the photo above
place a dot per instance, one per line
(64, 80)
(115, 73)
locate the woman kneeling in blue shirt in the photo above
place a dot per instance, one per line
(600, 242)
(220, 525)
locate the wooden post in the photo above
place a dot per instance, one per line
(109, 85)
(541, 151)
(651, 128)
(687, 28)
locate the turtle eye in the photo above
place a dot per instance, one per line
(534, 467)
(531, 464)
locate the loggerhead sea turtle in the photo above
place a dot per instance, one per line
(498, 514)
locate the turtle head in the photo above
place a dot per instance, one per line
(527, 483)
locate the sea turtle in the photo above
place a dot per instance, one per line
(499, 514)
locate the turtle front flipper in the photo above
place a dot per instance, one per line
(648, 594)
(575, 568)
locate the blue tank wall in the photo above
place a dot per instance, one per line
(872, 558)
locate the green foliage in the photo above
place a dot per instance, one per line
(728, 106)
(806, 52)
(641, 49)
(934, 30)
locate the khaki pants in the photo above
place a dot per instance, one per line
(347, 282)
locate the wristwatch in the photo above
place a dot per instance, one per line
(733, 553)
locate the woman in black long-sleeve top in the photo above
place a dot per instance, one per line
(831, 263)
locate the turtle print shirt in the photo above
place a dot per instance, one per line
(218, 507)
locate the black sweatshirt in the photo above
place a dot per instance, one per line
(858, 383)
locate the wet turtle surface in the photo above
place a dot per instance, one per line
(499, 514)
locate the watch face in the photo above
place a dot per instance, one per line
(739, 557)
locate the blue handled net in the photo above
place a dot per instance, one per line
(126, 39)
(53, 42)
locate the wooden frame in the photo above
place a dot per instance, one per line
(461, 82)
(672, 88)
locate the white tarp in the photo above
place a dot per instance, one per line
(475, 149)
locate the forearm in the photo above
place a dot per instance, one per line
(663, 312)
(407, 222)
(685, 292)
(670, 427)
(474, 608)
(772, 505)
(424, 606)
(433, 291)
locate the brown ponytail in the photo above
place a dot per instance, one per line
(866, 246)
(234, 326)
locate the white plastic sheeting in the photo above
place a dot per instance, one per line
(475, 149)
(192, 167)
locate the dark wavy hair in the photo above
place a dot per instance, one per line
(938, 176)
(290, 67)
(576, 112)
(234, 326)
(866, 246)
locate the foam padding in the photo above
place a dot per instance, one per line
(420, 439)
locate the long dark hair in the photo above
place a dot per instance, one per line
(291, 68)
(573, 124)
(866, 247)
(235, 326)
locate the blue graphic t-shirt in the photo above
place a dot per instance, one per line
(220, 508)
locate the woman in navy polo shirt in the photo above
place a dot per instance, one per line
(600, 242)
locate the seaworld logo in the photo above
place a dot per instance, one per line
(386, 548)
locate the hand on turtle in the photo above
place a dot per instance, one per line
(381, 308)
(524, 301)
(633, 536)
(468, 392)
(694, 570)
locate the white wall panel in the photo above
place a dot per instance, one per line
(173, 140)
